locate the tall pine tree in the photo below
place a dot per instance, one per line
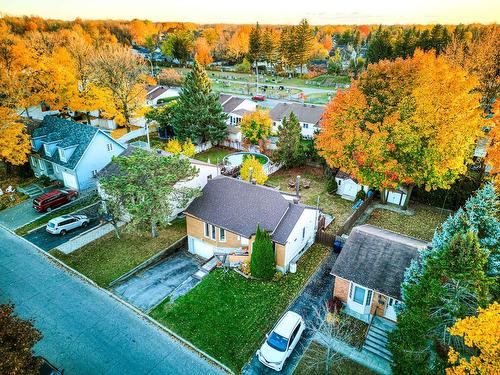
(303, 43)
(290, 151)
(198, 114)
(262, 261)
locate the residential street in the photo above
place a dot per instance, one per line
(85, 331)
(314, 296)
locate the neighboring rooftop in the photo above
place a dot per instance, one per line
(377, 259)
(229, 103)
(67, 134)
(307, 113)
(238, 207)
(153, 94)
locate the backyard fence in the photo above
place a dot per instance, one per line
(349, 222)
(202, 147)
(324, 238)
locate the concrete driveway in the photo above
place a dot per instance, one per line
(150, 286)
(46, 241)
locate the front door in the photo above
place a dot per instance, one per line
(390, 309)
(360, 299)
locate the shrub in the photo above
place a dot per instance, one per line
(335, 304)
(188, 148)
(173, 146)
(244, 67)
(245, 268)
(331, 185)
(361, 194)
(44, 180)
(262, 262)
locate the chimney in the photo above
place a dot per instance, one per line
(295, 200)
(297, 186)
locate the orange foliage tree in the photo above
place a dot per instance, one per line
(14, 142)
(407, 122)
(202, 52)
(480, 334)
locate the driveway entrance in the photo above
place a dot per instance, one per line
(149, 287)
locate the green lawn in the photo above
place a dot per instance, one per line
(107, 258)
(63, 211)
(313, 363)
(214, 154)
(228, 316)
(331, 204)
(420, 225)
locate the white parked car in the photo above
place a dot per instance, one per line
(281, 341)
(65, 223)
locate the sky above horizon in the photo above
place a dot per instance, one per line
(318, 12)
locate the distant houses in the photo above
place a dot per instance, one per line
(308, 115)
(235, 108)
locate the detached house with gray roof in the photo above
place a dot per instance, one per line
(223, 220)
(71, 152)
(308, 115)
(370, 269)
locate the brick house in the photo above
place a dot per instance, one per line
(370, 269)
(224, 220)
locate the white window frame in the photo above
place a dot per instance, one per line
(109, 147)
(62, 155)
(94, 172)
(305, 126)
(56, 167)
(368, 295)
(222, 235)
(213, 232)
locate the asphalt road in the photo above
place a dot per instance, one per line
(85, 330)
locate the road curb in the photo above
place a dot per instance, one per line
(138, 312)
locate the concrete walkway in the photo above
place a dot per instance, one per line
(86, 237)
(86, 330)
(364, 358)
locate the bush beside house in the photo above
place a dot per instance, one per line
(262, 262)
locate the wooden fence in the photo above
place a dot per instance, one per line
(349, 222)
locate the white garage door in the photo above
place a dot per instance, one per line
(203, 249)
(70, 180)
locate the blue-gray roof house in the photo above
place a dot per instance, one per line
(71, 152)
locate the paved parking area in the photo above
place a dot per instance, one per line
(149, 287)
(46, 241)
(314, 296)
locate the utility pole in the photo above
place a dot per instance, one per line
(147, 135)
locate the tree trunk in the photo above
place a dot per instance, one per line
(28, 113)
(117, 230)
(382, 196)
(88, 116)
(408, 194)
(154, 231)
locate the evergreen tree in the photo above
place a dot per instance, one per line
(290, 151)
(447, 282)
(303, 43)
(268, 46)
(198, 114)
(255, 48)
(379, 46)
(262, 261)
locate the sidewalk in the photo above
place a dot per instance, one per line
(363, 357)
(86, 237)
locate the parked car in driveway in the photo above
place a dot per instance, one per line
(281, 341)
(53, 199)
(65, 223)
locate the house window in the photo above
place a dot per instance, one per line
(340, 182)
(305, 126)
(212, 232)
(207, 229)
(109, 147)
(359, 295)
(222, 235)
(94, 173)
(62, 155)
(303, 233)
(56, 168)
(369, 298)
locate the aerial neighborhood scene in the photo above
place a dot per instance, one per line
(265, 187)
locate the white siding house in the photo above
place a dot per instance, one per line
(307, 114)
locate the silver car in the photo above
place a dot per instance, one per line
(63, 224)
(281, 341)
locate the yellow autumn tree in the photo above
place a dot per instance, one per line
(256, 126)
(188, 148)
(480, 333)
(14, 142)
(257, 170)
(173, 146)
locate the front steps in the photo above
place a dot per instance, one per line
(376, 340)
